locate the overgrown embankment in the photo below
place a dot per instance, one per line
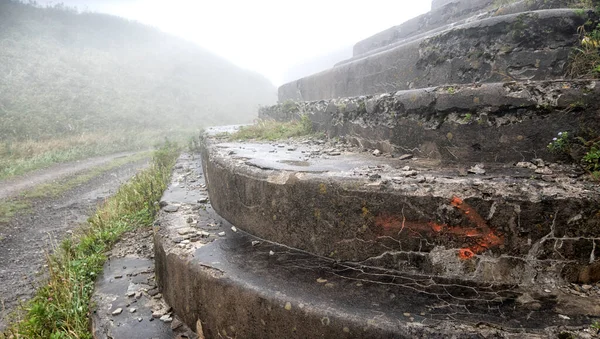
(75, 85)
(60, 307)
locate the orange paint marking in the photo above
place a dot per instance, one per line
(484, 237)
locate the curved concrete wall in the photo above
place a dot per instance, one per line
(527, 46)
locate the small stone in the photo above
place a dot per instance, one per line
(166, 318)
(185, 242)
(271, 253)
(255, 242)
(538, 162)
(171, 208)
(130, 294)
(477, 169)
(176, 324)
(291, 148)
(321, 280)
(376, 152)
(185, 230)
(233, 228)
(117, 311)
(544, 170)
(139, 319)
(335, 153)
(132, 310)
(564, 317)
(204, 234)
(405, 168)
(203, 200)
(547, 291)
(221, 234)
(526, 164)
(586, 287)
(405, 156)
(138, 294)
(153, 292)
(406, 314)
(288, 306)
(408, 173)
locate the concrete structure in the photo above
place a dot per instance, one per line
(431, 208)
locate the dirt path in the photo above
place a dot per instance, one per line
(14, 186)
(25, 240)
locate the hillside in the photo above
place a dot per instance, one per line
(67, 73)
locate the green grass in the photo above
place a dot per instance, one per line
(57, 188)
(11, 207)
(274, 130)
(60, 309)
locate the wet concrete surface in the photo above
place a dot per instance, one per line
(237, 285)
(126, 299)
(495, 223)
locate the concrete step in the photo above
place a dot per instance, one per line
(532, 45)
(227, 283)
(126, 301)
(443, 16)
(492, 123)
(507, 225)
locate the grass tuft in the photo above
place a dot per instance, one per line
(274, 130)
(60, 309)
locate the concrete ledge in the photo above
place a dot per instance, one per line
(232, 284)
(526, 46)
(448, 12)
(505, 226)
(500, 122)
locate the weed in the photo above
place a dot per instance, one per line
(560, 144)
(9, 208)
(273, 130)
(451, 90)
(60, 308)
(590, 161)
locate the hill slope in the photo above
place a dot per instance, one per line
(67, 74)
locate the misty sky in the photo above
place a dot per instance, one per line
(264, 36)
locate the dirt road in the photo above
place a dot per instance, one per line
(26, 239)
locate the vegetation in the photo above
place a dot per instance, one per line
(584, 150)
(60, 309)
(585, 60)
(74, 85)
(274, 130)
(10, 207)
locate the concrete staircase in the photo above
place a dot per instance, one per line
(433, 208)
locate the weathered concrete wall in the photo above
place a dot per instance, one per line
(438, 17)
(458, 124)
(527, 46)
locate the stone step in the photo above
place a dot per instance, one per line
(444, 16)
(525, 46)
(227, 283)
(490, 223)
(492, 123)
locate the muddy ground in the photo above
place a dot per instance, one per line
(27, 238)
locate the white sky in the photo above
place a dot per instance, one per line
(265, 36)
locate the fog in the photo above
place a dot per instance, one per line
(273, 38)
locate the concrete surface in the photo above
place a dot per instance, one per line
(230, 284)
